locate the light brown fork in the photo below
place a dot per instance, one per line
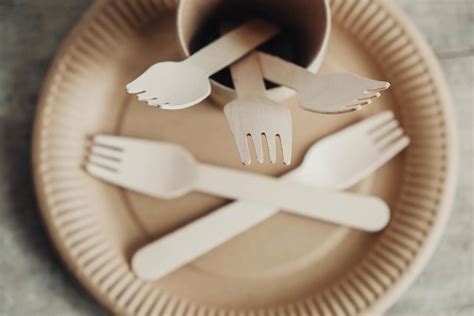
(253, 114)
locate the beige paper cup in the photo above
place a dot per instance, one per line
(305, 32)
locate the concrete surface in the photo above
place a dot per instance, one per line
(32, 279)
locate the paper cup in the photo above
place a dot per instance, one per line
(305, 26)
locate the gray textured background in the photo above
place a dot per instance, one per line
(32, 280)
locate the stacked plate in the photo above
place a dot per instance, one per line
(288, 265)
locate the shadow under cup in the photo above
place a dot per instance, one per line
(305, 27)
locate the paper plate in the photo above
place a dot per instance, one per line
(287, 265)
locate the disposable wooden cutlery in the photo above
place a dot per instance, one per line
(337, 162)
(253, 114)
(167, 171)
(322, 93)
(177, 85)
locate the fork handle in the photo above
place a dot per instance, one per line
(232, 46)
(246, 73)
(182, 246)
(247, 77)
(208, 232)
(283, 72)
(328, 205)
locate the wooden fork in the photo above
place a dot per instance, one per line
(254, 114)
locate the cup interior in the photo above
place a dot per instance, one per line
(304, 28)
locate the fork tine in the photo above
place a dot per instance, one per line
(286, 144)
(359, 103)
(395, 147)
(102, 172)
(351, 108)
(135, 86)
(159, 103)
(108, 152)
(109, 140)
(103, 161)
(384, 129)
(370, 96)
(271, 142)
(156, 101)
(242, 148)
(389, 138)
(144, 96)
(257, 143)
(377, 86)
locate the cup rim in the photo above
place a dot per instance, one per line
(276, 93)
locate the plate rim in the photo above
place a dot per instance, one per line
(427, 250)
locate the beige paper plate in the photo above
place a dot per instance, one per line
(287, 265)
